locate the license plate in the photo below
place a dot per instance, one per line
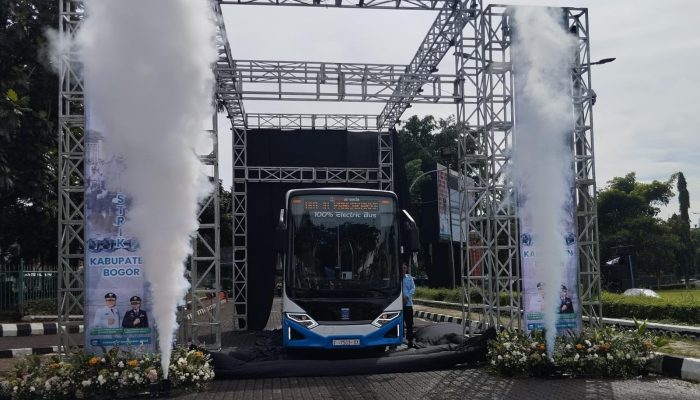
(346, 342)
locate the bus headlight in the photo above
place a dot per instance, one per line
(303, 319)
(385, 318)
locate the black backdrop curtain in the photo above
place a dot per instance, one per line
(267, 147)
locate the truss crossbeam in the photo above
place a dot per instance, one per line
(348, 122)
(429, 5)
(441, 36)
(311, 174)
(325, 81)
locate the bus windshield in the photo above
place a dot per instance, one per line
(343, 246)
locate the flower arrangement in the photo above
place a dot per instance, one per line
(599, 352)
(121, 372)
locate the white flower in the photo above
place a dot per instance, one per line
(588, 342)
(568, 346)
(121, 364)
(627, 356)
(101, 380)
(506, 345)
(31, 388)
(500, 358)
(609, 356)
(576, 357)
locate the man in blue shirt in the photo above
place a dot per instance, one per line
(409, 288)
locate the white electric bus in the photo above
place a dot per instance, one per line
(341, 251)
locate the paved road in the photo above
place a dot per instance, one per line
(456, 383)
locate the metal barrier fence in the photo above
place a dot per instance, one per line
(22, 283)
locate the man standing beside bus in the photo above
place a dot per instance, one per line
(409, 289)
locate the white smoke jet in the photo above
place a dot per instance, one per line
(542, 153)
(147, 67)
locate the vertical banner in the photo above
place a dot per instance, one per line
(568, 309)
(117, 302)
(544, 167)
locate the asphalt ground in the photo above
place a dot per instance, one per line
(459, 382)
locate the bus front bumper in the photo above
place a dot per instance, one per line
(346, 336)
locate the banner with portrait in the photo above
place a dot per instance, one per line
(117, 301)
(568, 309)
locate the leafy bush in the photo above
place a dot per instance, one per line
(685, 310)
(83, 375)
(650, 308)
(605, 352)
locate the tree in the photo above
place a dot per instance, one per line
(627, 215)
(686, 252)
(28, 158)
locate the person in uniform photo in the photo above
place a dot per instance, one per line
(108, 316)
(537, 303)
(566, 306)
(136, 317)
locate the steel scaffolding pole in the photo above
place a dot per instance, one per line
(229, 98)
(205, 266)
(475, 250)
(71, 181)
(491, 253)
(584, 167)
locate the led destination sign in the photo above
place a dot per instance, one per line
(339, 206)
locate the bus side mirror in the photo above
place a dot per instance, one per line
(411, 239)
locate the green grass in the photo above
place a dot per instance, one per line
(683, 296)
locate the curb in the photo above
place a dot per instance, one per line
(35, 328)
(437, 317)
(685, 368)
(677, 367)
(37, 351)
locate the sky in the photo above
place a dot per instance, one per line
(646, 118)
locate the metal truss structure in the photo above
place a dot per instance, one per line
(71, 181)
(491, 221)
(307, 81)
(346, 122)
(481, 89)
(584, 167)
(490, 257)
